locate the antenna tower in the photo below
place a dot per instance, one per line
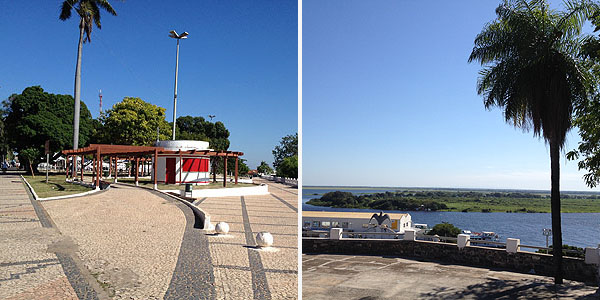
(100, 95)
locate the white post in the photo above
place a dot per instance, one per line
(207, 225)
(335, 233)
(47, 165)
(592, 255)
(463, 241)
(409, 234)
(512, 245)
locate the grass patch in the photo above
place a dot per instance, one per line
(56, 186)
(181, 187)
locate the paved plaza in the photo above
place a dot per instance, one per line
(133, 243)
(376, 277)
(241, 270)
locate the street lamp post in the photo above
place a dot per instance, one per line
(547, 232)
(178, 37)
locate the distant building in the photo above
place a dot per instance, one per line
(354, 221)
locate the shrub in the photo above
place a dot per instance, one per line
(445, 229)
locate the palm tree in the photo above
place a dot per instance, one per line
(533, 72)
(89, 14)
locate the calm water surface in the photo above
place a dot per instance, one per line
(579, 229)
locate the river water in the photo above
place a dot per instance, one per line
(579, 229)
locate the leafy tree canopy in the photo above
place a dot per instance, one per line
(35, 116)
(264, 168)
(587, 115)
(288, 167)
(197, 128)
(288, 147)
(133, 122)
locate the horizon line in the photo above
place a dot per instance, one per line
(448, 188)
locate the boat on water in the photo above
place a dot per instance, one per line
(483, 236)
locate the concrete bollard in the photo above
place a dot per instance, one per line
(409, 234)
(264, 239)
(463, 240)
(512, 245)
(335, 233)
(592, 255)
(222, 228)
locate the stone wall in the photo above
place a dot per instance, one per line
(523, 262)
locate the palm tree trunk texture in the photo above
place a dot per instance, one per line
(77, 91)
(555, 208)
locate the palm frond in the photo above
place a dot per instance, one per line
(65, 10)
(106, 6)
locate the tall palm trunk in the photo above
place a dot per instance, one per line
(77, 91)
(555, 208)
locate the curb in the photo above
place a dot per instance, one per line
(35, 196)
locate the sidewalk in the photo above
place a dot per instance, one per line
(32, 266)
(133, 243)
(376, 277)
(242, 271)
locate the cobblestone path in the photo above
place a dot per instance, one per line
(31, 264)
(128, 238)
(239, 269)
(132, 243)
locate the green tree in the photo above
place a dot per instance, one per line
(264, 168)
(4, 142)
(445, 229)
(35, 116)
(588, 116)
(134, 122)
(288, 167)
(288, 147)
(197, 128)
(89, 14)
(32, 156)
(242, 166)
(532, 71)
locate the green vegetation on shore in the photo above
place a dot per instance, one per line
(465, 201)
(56, 186)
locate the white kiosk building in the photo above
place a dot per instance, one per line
(183, 166)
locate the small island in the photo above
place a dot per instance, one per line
(461, 201)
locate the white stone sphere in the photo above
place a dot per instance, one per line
(264, 239)
(222, 228)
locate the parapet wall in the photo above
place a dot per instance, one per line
(522, 262)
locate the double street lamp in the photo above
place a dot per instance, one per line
(174, 35)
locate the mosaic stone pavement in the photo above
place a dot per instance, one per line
(242, 271)
(31, 265)
(132, 243)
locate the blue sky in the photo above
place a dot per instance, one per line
(390, 100)
(239, 62)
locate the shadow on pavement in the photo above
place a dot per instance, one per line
(504, 289)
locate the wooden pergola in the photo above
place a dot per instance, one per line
(143, 154)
